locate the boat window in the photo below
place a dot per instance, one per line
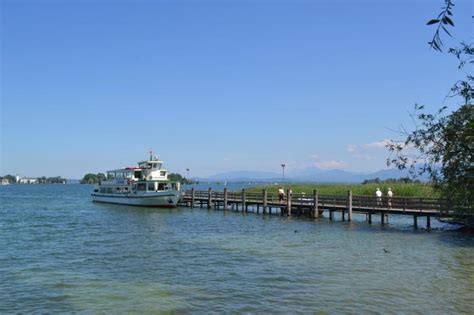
(128, 174)
(125, 188)
(162, 173)
(151, 186)
(138, 174)
(158, 165)
(173, 185)
(109, 190)
(102, 190)
(141, 187)
(161, 186)
(110, 175)
(117, 188)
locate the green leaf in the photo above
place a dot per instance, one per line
(435, 45)
(433, 21)
(450, 22)
(444, 29)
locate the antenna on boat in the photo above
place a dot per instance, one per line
(151, 155)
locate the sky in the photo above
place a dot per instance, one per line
(216, 86)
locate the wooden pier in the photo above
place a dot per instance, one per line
(315, 205)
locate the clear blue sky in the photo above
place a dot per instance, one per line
(215, 85)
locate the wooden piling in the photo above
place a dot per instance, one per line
(315, 203)
(428, 222)
(192, 197)
(209, 198)
(288, 201)
(382, 218)
(349, 205)
(415, 221)
(243, 200)
(331, 214)
(370, 217)
(264, 201)
(225, 199)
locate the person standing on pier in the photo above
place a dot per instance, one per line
(281, 194)
(390, 195)
(378, 194)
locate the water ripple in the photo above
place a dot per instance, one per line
(63, 253)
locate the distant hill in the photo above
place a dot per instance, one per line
(329, 176)
(312, 174)
(73, 181)
(243, 176)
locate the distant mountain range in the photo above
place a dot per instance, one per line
(311, 174)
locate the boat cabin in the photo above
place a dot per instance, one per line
(149, 176)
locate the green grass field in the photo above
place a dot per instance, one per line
(399, 189)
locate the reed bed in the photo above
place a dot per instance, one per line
(398, 189)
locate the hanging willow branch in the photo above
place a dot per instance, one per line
(442, 21)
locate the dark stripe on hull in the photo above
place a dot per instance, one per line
(143, 206)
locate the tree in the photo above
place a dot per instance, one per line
(91, 178)
(55, 180)
(10, 178)
(175, 177)
(442, 144)
(457, 162)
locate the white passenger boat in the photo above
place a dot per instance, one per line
(144, 185)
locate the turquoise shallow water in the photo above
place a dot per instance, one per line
(59, 252)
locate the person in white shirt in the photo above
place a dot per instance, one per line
(390, 195)
(378, 194)
(281, 194)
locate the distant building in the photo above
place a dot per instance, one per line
(26, 180)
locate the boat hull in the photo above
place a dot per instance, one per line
(162, 200)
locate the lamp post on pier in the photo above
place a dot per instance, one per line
(283, 170)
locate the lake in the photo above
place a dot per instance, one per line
(59, 252)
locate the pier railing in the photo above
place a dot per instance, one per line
(435, 206)
(315, 204)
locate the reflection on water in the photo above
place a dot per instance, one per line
(63, 253)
